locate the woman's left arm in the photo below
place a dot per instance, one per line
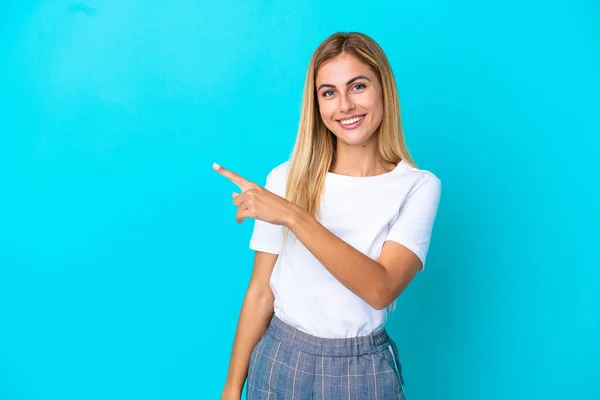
(378, 282)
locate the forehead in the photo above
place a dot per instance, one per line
(342, 68)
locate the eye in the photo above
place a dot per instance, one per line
(326, 93)
(360, 85)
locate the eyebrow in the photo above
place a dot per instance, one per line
(347, 83)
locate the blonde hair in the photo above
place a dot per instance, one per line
(315, 148)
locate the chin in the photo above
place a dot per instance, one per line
(353, 139)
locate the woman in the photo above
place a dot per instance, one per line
(340, 231)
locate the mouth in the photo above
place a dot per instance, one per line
(351, 123)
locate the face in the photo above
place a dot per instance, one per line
(350, 99)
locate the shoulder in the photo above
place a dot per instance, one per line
(279, 172)
(423, 180)
(277, 178)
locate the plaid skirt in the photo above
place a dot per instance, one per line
(289, 364)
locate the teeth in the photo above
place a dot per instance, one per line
(350, 121)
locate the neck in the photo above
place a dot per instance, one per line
(362, 160)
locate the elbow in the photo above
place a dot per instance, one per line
(380, 299)
(384, 294)
(260, 294)
(380, 305)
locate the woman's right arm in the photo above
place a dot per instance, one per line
(257, 310)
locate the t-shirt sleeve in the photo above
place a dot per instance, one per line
(413, 226)
(267, 237)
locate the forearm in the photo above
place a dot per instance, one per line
(257, 310)
(359, 273)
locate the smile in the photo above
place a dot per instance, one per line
(351, 123)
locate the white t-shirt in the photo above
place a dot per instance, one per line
(400, 205)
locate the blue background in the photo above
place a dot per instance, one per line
(122, 269)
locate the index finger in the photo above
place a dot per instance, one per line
(240, 181)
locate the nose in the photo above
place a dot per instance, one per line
(346, 103)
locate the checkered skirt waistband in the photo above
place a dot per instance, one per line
(334, 347)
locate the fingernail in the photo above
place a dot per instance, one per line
(216, 166)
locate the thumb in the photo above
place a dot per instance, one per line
(234, 195)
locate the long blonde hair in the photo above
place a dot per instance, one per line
(315, 148)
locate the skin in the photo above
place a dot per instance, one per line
(378, 282)
(347, 87)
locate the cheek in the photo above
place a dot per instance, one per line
(376, 107)
(326, 112)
